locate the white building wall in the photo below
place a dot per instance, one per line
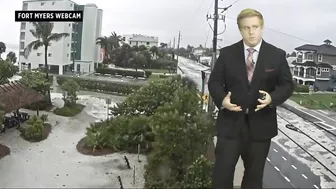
(139, 43)
(89, 32)
(59, 51)
(98, 33)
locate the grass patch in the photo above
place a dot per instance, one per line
(315, 101)
(158, 77)
(69, 111)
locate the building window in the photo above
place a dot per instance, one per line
(71, 5)
(21, 53)
(42, 4)
(334, 68)
(49, 55)
(38, 54)
(67, 55)
(310, 57)
(68, 45)
(23, 25)
(22, 35)
(319, 58)
(22, 45)
(318, 71)
(147, 43)
(325, 69)
(25, 6)
(53, 3)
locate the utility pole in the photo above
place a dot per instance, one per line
(178, 43)
(211, 106)
(174, 43)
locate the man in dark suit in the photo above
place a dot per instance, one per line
(249, 79)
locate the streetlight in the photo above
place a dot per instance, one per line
(108, 102)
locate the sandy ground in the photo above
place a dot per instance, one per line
(55, 161)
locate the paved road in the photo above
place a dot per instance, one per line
(281, 170)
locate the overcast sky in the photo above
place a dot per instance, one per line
(312, 21)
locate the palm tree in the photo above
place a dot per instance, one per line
(11, 57)
(43, 33)
(104, 44)
(2, 48)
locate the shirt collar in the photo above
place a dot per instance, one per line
(257, 47)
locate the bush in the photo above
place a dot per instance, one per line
(148, 98)
(117, 88)
(187, 129)
(199, 174)
(122, 72)
(34, 130)
(163, 64)
(69, 111)
(121, 133)
(148, 74)
(301, 88)
(167, 120)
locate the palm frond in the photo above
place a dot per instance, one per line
(57, 36)
(33, 45)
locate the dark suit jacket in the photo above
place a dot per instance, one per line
(271, 74)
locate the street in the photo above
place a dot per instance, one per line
(287, 165)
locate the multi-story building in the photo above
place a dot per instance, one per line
(315, 64)
(138, 40)
(78, 52)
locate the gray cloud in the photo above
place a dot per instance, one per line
(312, 20)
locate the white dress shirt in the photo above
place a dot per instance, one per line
(255, 54)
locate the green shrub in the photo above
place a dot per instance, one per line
(69, 111)
(35, 129)
(148, 74)
(199, 174)
(148, 98)
(120, 133)
(301, 88)
(163, 64)
(187, 128)
(122, 72)
(117, 88)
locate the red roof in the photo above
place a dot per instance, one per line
(16, 95)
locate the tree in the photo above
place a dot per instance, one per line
(154, 50)
(7, 71)
(2, 48)
(104, 44)
(11, 57)
(137, 61)
(42, 31)
(36, 80)
(71, 86)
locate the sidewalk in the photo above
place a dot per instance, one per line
(238, 174)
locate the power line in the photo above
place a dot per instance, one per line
(276, 31)
(306, 151)
(300, 131)
(307, 120)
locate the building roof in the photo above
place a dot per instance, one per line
(16, 95)
(313, 64)
(325, 49)
(143, 38)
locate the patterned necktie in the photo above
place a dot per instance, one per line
(250, 64)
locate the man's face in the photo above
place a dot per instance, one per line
(251, 30)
